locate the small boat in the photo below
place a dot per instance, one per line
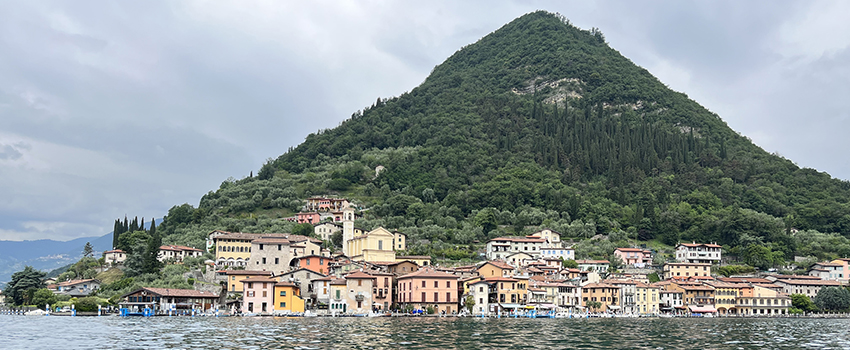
(35, 313)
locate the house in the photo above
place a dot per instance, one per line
(303, 278)
(559, 253)
(501, 247)
(481, 292)
(844, 275)
(382, 291)
(177, 253)
(163, 300)
(671, 300)
(696, 296)
(233, 249)
(287, 299)
(257, 295)
(77, 288)
(303, 245)
(684, 270)
(510, 293)
(647, 298)
(397, 268)
(628, 295)
(421, 260)
(325, 204)
(307, 218)
(636, 257)
(338, 297)
(114, 257)
(322, 292)
(235, 276)
(270, 254)
(828, 271)
(210, 241)
(561, 295)
(553, 238)
(358, 296)
(2, 297)
(598, 266)
(495, 268)
(702, 253)
(766, 301)
(519, 259)
(428, 288)
(807, 287)
(326, 230)
(607, 295)
(315, 263)
(726, 296)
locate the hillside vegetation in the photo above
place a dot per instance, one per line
(541, 123)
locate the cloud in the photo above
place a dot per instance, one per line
(160, 101)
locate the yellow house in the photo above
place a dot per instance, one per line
(648, 298)
(287, 298)
(726, 296)
(376, 245)
(235, 276)
(495, 268)
(233, 249)
(685, 270)
(607, 295)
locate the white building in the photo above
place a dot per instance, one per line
(480, 292)
(828, 271)
(703, 253)
(558, 252)
(533, 244)
(177, 253)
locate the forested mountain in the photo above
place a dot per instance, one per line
(541, 123)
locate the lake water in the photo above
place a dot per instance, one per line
(54, 332)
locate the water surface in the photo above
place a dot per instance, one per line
(53, 332)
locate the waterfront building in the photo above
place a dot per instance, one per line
(270, 254)
(427, 287)
(257, 294)
(382, 291)
(495, 268)
(672, 301)
(322, 292)
(701, 253)
(358, 296)
(481, 291)
(628, 295)
(77, 288)
(161, 300)
(287, 298)
(607, 295)
(685, 270)
(377, 245)
(303, 278)
(647, 298)
(807, 287)
(726, 296)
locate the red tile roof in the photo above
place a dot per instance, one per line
(428, 273)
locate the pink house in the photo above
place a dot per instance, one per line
(258, 295)
(309, 218)
(634, 256)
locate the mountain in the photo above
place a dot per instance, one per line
(45, 254)
(541, 123)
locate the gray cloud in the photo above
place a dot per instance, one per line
(161, 101)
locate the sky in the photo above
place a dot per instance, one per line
(128, 108)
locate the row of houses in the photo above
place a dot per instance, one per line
(173, 253)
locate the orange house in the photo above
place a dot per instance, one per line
(495, 268)
(315, 263)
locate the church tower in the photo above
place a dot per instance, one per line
(347, 229)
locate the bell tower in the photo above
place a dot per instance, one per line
(347, 229)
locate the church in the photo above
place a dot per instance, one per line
(374, 246)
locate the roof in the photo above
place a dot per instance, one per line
(270, 240)
(412, 257)
(248, 273)
(500, 264)
(113, 251)
(258, 279)
(807, 282)
(179, 248)
(795, 277)
(75, 282)
(359, 275)
(632, 250)
(180, 293)
(285, 284)
(500, 279)
(744, 280)
(694, 245)
(593, 261)
(519, 239)
(599, 285)
(428, 273)
(300, 269)
(687, 264)
(829, 264)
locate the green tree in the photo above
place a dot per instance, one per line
(570, 264)
(43, 297)
(833, 299)
(266, 171)
(653, 277)
(469, 303)
(336, 239)
(88, 250)
(803, 303)
(23, 283)
(304, 229)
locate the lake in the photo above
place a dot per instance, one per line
(54, 332)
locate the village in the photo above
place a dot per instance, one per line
(537, 275)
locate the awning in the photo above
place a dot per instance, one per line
(702, 309)
(614, 307)
(510, 306)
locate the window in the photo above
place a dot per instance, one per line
(308, 262)
(380, 245)
(436, 297)
(448, 296)
(436, 284)
(448, 284)
(337, 293)
(264, 294)
(423, 284)
(276, 261)
(264, 260)
(261, 247)
(423, 297)
(359, 283)
(250, 284)
(283, 293)
(282, 304)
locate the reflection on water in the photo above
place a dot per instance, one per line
(21, 332)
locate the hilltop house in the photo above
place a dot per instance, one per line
(177, 253)
(701, 253)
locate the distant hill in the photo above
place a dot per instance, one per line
(46, 254)
(541, 123)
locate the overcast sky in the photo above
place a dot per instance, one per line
(114, 108)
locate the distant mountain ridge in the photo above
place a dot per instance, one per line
(46, 254)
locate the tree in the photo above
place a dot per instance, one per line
(833, 299)
(24, 281)
(803, 303)
(266, 171)
(88, 250)
(151, 261)
(469, 303)
(616, 263)
(336, 239)
(43, 297)
(570, 264)
(653, 277)
(304, 229)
